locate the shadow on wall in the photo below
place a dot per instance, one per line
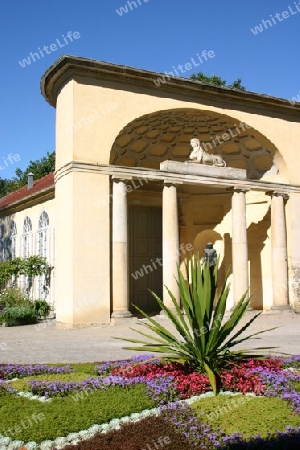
(257, 234)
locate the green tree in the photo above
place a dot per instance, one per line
(2, 187)
(214, 79)
(39, 168)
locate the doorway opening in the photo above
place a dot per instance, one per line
(145, 258)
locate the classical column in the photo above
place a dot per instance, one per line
(279, 252)
(170, 243)
(239, 245)
(294, 251)
(120, 251)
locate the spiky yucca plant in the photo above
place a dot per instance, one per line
(205, 339)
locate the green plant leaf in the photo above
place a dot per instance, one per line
(205, 340)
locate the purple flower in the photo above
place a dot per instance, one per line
(9, 371)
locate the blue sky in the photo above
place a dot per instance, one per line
(156, 35)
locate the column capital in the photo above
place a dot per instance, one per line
(168, 183)
(118, 179)
(240, 189)
(285, 195)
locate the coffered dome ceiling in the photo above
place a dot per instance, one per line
(153, 138)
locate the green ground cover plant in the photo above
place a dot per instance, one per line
(65, 415)
(208, 424)
(254, 415)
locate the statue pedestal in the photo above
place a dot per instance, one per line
(187, 168)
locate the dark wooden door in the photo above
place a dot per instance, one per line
(145, 254)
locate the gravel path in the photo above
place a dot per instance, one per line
(33, 344)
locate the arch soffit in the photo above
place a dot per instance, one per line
(156, 137)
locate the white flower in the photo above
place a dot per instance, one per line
(44, 399)
(125, 419)
(146, 413)
(25, 394)
(84, 434)
(46, 445)
(72, 437)
(114, 422)
(135, 417)
(31, 446)
(95, 429)
(105, 428)
(60, 441)
(4, 441)
(15, 445)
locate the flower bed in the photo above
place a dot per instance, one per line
(188, 382)
(166, 386)
(10, 371)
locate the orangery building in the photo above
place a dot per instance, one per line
(128, 201)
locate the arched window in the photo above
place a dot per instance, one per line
(43, 235)
(13, 238)
(43, 250)
(26, 237)
(2, 229)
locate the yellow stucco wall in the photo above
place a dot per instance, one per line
(100, 113)
(90, 115)
(82, 249)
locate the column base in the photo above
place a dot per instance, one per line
(162, 313)
(281, 307)
(248, 309)
(123, 314)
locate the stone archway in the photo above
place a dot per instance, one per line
(209, 236)
(163, 135)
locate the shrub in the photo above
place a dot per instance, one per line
(9, 269)
(16, 306)
(13, 296)
(18, 315)
(41, 308)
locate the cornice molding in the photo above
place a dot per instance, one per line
(121, 172)
(27, 202)
(69, 67)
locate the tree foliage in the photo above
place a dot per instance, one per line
(218, 81)
(39, 168)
